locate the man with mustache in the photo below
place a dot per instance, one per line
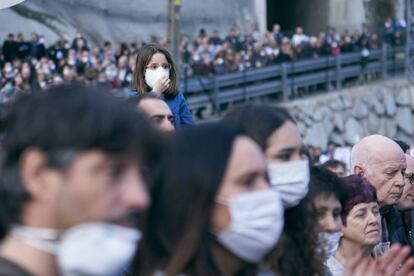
(382, 162)
(71, 183)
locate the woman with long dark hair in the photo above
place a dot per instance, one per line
(279, 138)
(213, 211)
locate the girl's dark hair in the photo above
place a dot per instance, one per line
(258, 121)
(360, 191)
(177, 233)
(143, 58)
(296, 252)
(327, 183)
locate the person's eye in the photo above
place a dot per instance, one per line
(247, 181)
(336, 214)
(390, 174)
(157, 120)
(115, 171)
(284, 157)
(320, 214)
(153, 66)
(166, 66)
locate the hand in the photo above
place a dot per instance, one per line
(161, 85)
(392, 263)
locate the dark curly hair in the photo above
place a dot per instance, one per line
(296, 252)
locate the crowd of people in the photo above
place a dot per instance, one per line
(95, 185)
(35, 63)
(92, 184)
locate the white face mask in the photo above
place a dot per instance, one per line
(256, 225)
(86, 249)
(291, 180)
(329, 242)
(152, 76)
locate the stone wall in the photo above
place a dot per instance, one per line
(124, 20)
(344, 117)
(130, 20)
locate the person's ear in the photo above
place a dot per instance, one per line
(37, 178)
(359, 170)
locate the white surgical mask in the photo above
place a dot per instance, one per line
(291, 180)
(86, 249)
(256, 225)
(152, 76)
(329, 242)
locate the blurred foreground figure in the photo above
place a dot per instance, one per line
(71, 185)
(213, 211)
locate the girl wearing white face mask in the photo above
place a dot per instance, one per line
(155, 71)
(276, 133)
(213, 211)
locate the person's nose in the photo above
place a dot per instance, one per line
(331, 225)
(372, 219)
(135, 194)
(400, 181)
(167, 126)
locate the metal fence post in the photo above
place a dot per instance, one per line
(216, 96)
(384, 61)
(338, 71)
(284, 82)
(328, 76)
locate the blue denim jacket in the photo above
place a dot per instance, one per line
(180, 110)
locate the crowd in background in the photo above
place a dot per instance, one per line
(35, 63)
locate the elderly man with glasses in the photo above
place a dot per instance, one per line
(406, 203)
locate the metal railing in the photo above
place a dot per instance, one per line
(283, 80)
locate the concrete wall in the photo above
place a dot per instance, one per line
(344, 117)
(129, 20)
(349, 14)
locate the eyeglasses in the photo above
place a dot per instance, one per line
(154, 66)
(410, 177)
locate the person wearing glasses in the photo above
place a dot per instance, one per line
(406, 204)
(155, 71)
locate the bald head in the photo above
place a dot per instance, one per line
(375, 148)
(382, 162)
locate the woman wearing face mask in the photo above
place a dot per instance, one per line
(362, 224)
(327, 195)
(276, 133)
(213, 211)
(155, 71)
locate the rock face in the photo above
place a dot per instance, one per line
(123, 20)
(344, 117)
(128, 20)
